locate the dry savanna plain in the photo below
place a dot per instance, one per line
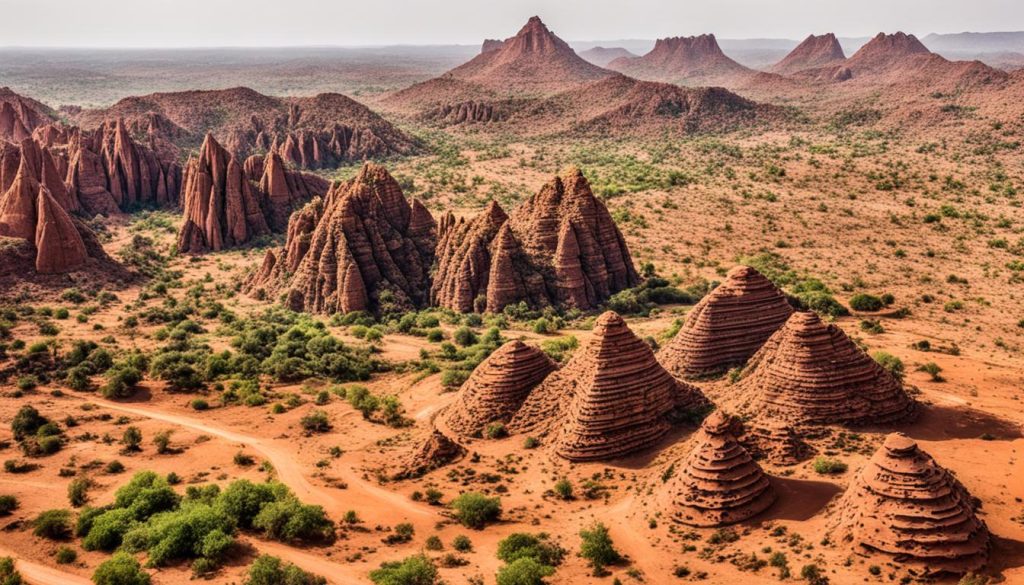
(512, 317)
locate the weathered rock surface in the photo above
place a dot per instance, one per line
(694, 60)
(560, 247)
(467, 112)
(727, 326)
(904, 504)
(815, 51)
(611, 399)
(369, 248)
(225, 206)
(20, 116)
(718, 483)
(497, 388)
(602, 56)
(777, 442)
(811, 373)
(309, 132)
(437, 450)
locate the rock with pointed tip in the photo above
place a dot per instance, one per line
(610, 400)
(464, 259)
(815, 51)
(718, 483)
(902, 503)
(727, 326)
(59, 246)
(435, 451)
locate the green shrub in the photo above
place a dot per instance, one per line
(464, 336)
(65, 555)
(104, 529)
(8, 504)
(291, 520)
(27, 422)
(495, 430)
(199, 404)
(453, 378)
(316, 421)
(8, 574)
(866, 302)
(414, 570)
(26, 382)
(242, 500)
(520, 545)
(563, 489)
(120, 569)
(890, 363)
(826, 466)
(596, 546)
(78, 492)
(475, 510)
(268, 570)
(131, 439)
(52, 524)
(524, 571)
(462, 543)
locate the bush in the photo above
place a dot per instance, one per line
(826, 466)
(596, 546)
(464, 336)
(563, 488)
(890, 363)
(242, 500)
(121, 381)
(120, 569)
(27, 382)
(475, 510)
(524, 571)
(52, 524)
(78, 492)
(462, 543)
(104, 529)
(414, 570)
(520, 545)
(8, 504)
(27, 422)
(65, 555)
(866, 302)
(131, 439)
(268, 570)
(200, 404)
(495, 430)
(291, 520)
(316, 422)
(8, 574)
(162, 442)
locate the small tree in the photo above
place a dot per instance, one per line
(78, 492)
(131, 439)
(162, 441)
(414, 570)
(475, 510)
(524, 571)
(120, 569)
(596, 546)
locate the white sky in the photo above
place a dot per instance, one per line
(187, 23)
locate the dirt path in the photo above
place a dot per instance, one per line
(314, 563)
(37, 574)
(390, 506)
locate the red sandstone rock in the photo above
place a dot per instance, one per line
(812, 53)
(903, 503)
(611, 399)
(602, 56)
(436, 451)
(464, 259)
(59, 246)
(718, 483)
(695, 60)
(811, 373)
(369, 247)
(727, 326)
(496, 388)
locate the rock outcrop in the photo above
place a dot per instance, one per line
(815, 51)
(467, 112)
(535, 60)
(224, 204)
(308, 132)
(28, 211)
(437, 450)
(810, 373)
(602, 56)
(363, 248)
(496, 389)
(727, 326)
(718, 483)
(20, 116)
(690, 60)
(777, 442)
(610, 400)
(903, 503)
(560, 247)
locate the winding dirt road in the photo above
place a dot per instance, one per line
(37, 574)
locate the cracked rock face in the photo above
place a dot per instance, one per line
(727, 326)
(559, 248)
(227, 203)
(810, 373)
(363, 248)
(718, 483)
(497, 388)
(611, 399)
(904, 504)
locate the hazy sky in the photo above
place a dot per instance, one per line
(176, 23)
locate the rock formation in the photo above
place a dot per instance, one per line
(20, 116)
(364, 247)
(28, 211)
(535, 60)
(727, 326)
(308, 132)
(718, 483)
(814, 52)
(811, 373)
(777, 442)
(467, 112)
(611, 399)
(496, 388)
(226, 207)
(689, 60)
(437, 450)
(884, 50)
(560, 247)
(904, 504)
(602, 56)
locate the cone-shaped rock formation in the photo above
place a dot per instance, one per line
(905, 504)
(225, 207)
(365, 245)
(718, 483)
(497, 388)
(727, 326)
(610, 400)
(815, 51)
(437, 450)
(697, 60)
(811, 373)
(560, 247)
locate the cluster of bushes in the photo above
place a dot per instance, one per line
(460, 360)
(35, 433)
(148, 515)
(414, 570)
(270, 570)
(654, 291)
(385, 409)
(804, 291)
(475, 510)
(529, 559)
